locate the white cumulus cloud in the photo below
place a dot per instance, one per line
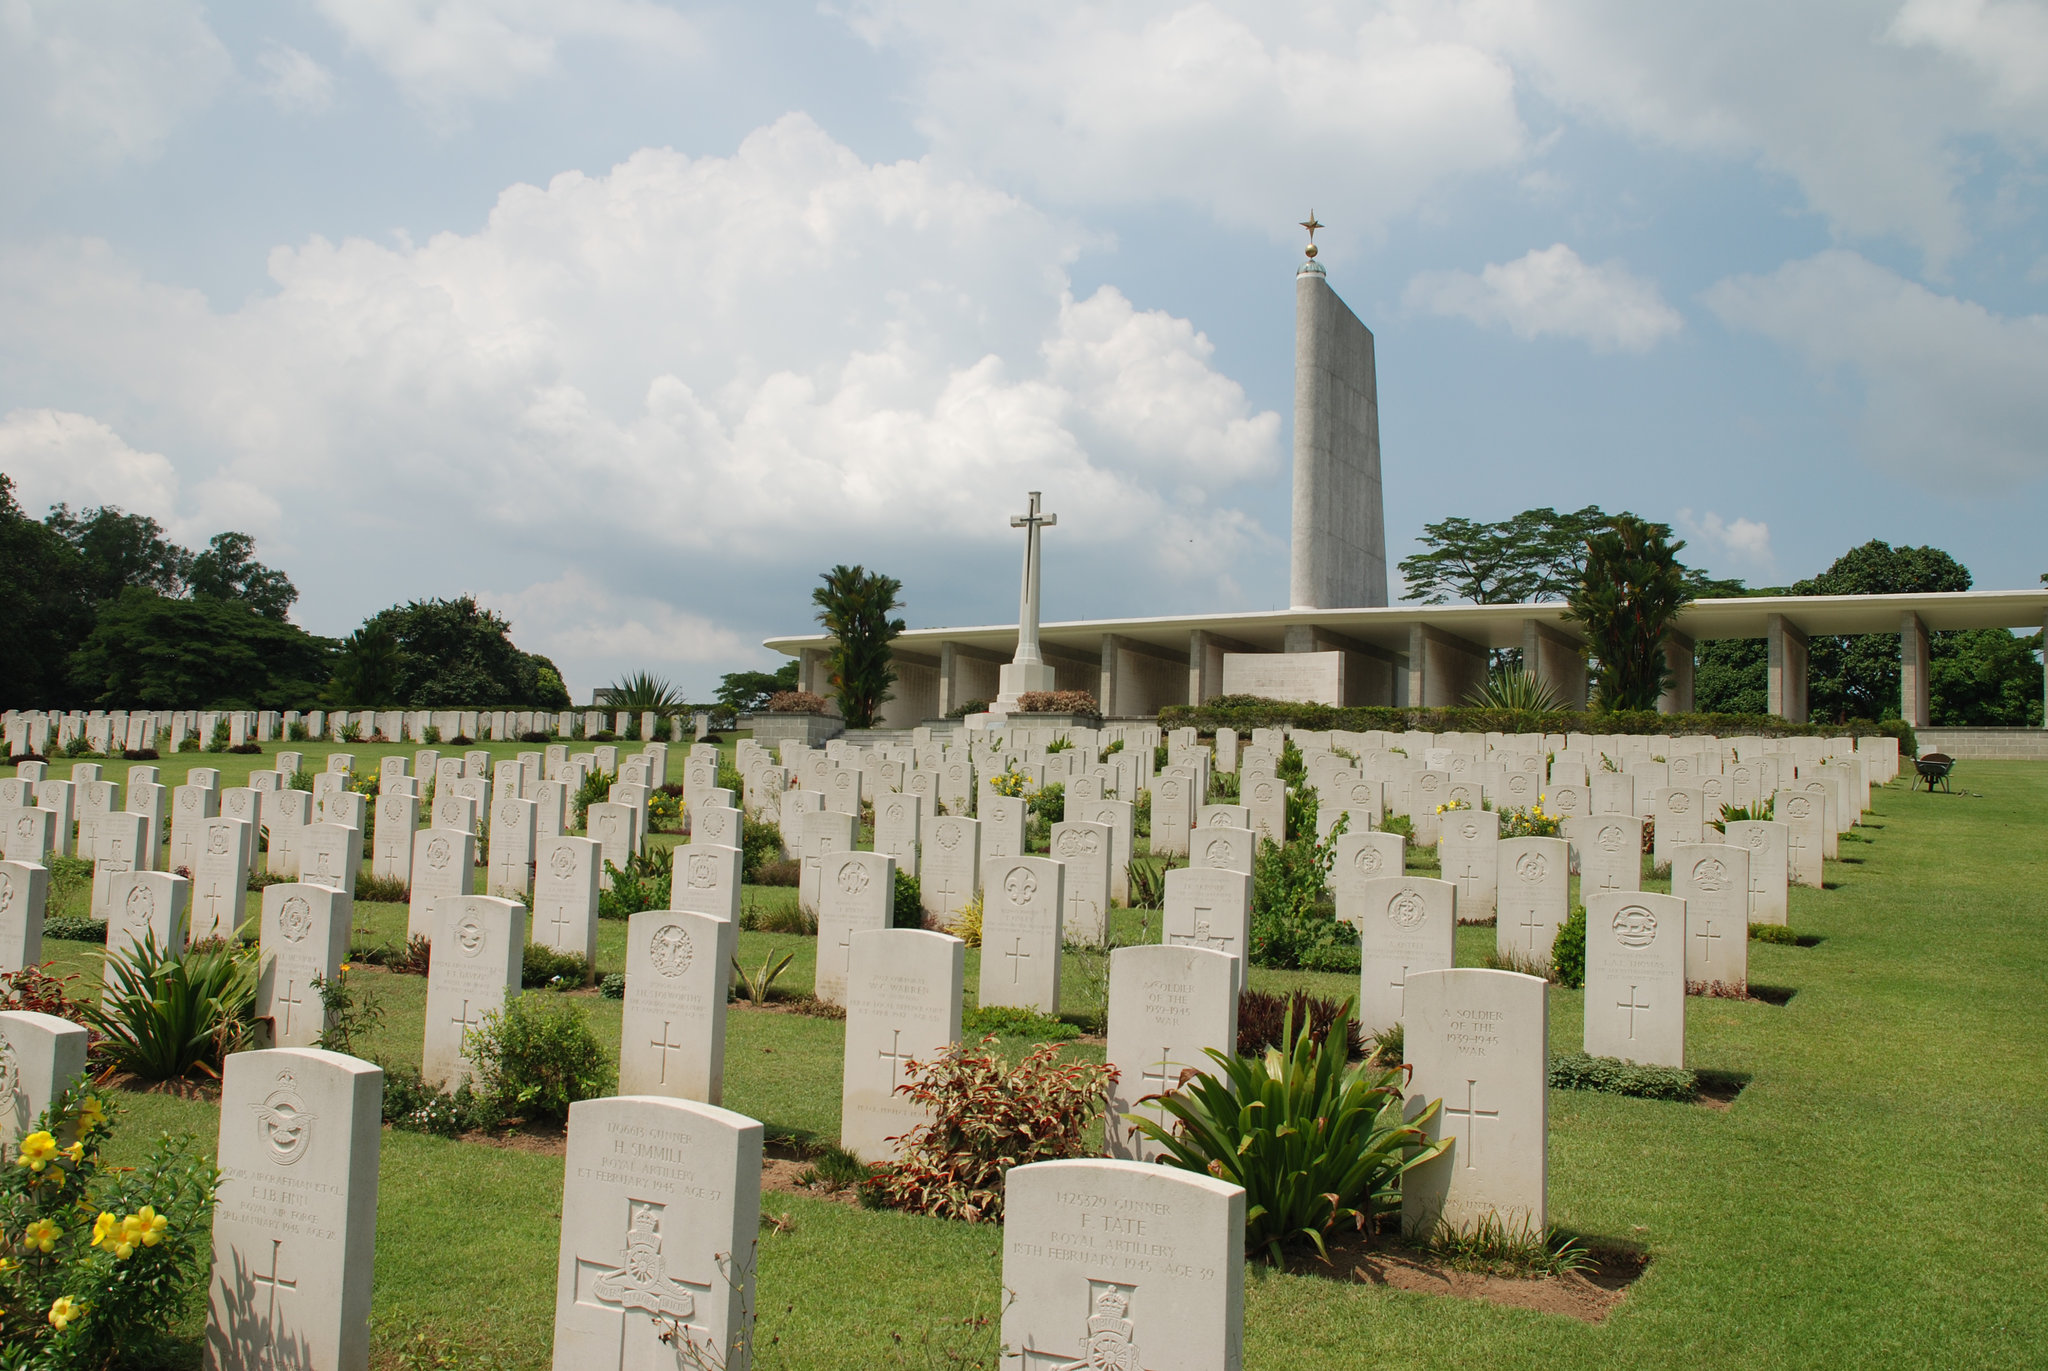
(1363, 110)
(60, 458)
(691, 381)
(1747, 542)
(1953, 395)
(294, 82)
(1551, 292)
(444, 53)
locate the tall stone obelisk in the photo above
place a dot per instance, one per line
(1340, 531)
(1027, 670)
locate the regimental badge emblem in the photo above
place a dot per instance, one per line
(439, 852)
(1532, 867)
(6, 893)
(394, 807)
(1710, 874)
(1610, 838)
(1368, 861)
(853, 878)
(141, 906)
(508, 814)
(1634, 926)
(469, 934)
(562, 862)
(1020, 885)
(1679, 801)
(217, 840)
(10, 1071)
(1111, 1343)
(948, 836)
(1757, 839)
(670, 950)
(1469, 830)
(1407, 909)
(283, 1123)
(1216, 854)
(703, 875)
(295, 919)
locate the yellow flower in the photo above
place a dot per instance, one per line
(101, 1227)
(345, 966)
(64, 1311)
(36, 1151)
(92, 1114)
(150, 1225)
(76, 1152)
(6, 1264)
(40, 1235)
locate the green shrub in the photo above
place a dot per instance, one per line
(1141, 814)
(908, 910)
(1568, 951)
(787, 872)
(1293, 925)
(644, 884)
(760, 846)
(1224, 788)
(348, 1010)
(1049, 802)
(74, 929)
(410, 1103)
(987, 1116)
(1262, 1019)
(70, 879)
(1014, 1021)
(543, 966)
(536, 1057)
(1612, 1076)
(596, 786)
(219, 741)
(121, 1252)
(166, 1015)
(1314, 1140)
(379, 889)
(430, 735)
(1759, 933)
(613, 986)
(1147, 880)
(1500, 1247)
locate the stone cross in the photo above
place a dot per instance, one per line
(1032, 522)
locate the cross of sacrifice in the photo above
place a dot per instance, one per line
(1472, 1117)
(666, 1047)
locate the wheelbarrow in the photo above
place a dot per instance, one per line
(1934, 769)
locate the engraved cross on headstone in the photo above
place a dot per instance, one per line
(291, 999)
(1532, 923)
(1472, 1116)
(1018, 956)
(1631, 1006)
(561, 921)
(895, 1056)
(1399, 985)
(275, 1283)
(1708, 937)
(467, 1022)
(666, 1047)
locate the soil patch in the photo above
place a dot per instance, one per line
(781, 1173)
(1589, 1295)
(203, 1088)
(548, 1137)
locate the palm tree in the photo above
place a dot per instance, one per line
(853, 605)
(1516, 690)
(641, 693)
(1632, 591)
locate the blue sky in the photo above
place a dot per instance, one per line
(630, 318)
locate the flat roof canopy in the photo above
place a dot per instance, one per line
(1497, 626)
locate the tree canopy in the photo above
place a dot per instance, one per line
(1631, 590)
(151, 650)
(853, 605)
(442, 654)
(1536, 555)
(747, 692)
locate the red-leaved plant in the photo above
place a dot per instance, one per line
(987, 1116)
(796, 702)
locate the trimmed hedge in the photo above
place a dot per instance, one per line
(1612, 1076)
(1244, 712)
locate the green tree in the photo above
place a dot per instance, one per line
(1732, 676)
(228, 570)
(453, 654)
(1857, 676)
(1986, 677)
(747, 692)
(118, 550)
(1631, 590)
(853, 605)
(150, 650)
(1536, 555)
(44, 608)
(640, 692)
(366, 672)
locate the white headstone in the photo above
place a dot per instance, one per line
(1083, 849)
(1121, 1264)
(305, 936)
(1003, 818)
(1534, 896)
(661, 1203)
(672, 1029)
(1118, 814)
(1635, 977)
(820, 833)
(1209, 908)
(1805, 819)
(857, 892)
(144, 905)
(565, 895)
(903, 993)
(220, 877)
(1407, 924)
(479, 952)
(1713, 880)
(706, 880)
(952, 866)
(31, 835)
(1020, 933)
(1609, 848)
(24, 892)
(40, 1056)
(1467, 854)
(1479, 1041)
(1167, 1007)
(442, 862)
(295, 1225)
(330, 855)
(1769, 846)
(510, 872)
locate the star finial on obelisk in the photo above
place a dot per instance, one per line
(1311, 225)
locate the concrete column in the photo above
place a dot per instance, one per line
(813, 674)
(1787, 693)
(949, 679)
(1678, 658)
(1556, 660)
(1205, 668)
(1913, 683)
(1339, 555)
(1443, 668)
(1112, 675)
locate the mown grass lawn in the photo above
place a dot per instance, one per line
(1875, 1196)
